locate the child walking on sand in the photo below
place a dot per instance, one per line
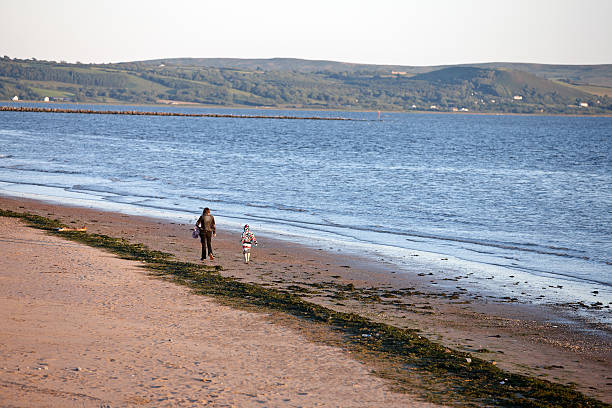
(247, 239)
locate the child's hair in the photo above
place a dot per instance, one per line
(206, 210)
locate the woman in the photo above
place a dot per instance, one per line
(206, 224)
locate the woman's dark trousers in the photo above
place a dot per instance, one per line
(206, 240)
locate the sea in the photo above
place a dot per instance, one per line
(517, 208)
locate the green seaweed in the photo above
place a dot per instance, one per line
(413, 362)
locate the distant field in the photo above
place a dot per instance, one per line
(596, 90)
(51, 93)
(140, 84)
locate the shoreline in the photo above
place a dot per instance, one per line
(190, 105)
(578, 303)
(520, 338)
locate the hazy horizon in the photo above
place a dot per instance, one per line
(365, 63)
(304, 59)
(411, 33)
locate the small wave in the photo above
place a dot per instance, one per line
(259, 205)
(111, 190)
(532, 245)
(210, 200)
(39, 170)
(556, 274)
(480, 252)
(6, 156)
(293, 209)
(559, 248)
(277, 207)
(12, 132)
(23, 183)
(144, 204)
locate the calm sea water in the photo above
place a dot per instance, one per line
(496, 199)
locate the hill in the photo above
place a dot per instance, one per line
(600, 75)
(272, 64)
(501, 82)
(293, 83)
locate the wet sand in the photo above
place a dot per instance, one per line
(520, 338)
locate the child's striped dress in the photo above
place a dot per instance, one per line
(247, 239)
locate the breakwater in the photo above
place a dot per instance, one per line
(144, 113)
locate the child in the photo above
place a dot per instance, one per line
(247, 239)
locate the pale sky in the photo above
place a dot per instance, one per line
(408, 32)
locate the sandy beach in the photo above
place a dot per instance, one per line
(174, 347)
(83, 328)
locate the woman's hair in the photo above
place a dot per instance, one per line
(206, 210)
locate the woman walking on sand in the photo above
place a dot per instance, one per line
(247, 239)
(206, 224)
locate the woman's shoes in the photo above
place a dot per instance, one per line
(211, 257)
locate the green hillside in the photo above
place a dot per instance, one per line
(272, 64)
(503, 83)
(292, 83)
(577, 74)
(600, 75)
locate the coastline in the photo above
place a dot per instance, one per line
(189, 105)
(520, 338)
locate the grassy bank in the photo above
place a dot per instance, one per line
(414, 363)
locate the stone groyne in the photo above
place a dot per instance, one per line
(145, 113)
